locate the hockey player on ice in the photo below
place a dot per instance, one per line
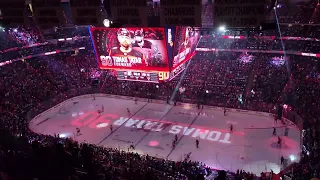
(78, 133)
(143, 125)
(128, 111)
(173, 144)
(134, 127)
(131, 146)
(279, 141)
(111, 128)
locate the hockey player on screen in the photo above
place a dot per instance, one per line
(150, 50)
(186, 43)
(125, 49)
(184, 48)
(142, 45)
(139, 40)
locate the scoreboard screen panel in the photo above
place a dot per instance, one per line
(138, 76)
(134, 48)
(186, 41)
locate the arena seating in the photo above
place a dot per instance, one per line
(40, 82)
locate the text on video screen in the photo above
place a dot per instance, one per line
(186, 40)
(131, 48)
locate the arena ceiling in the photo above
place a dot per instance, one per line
(281, 1)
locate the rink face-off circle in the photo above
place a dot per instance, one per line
(151, 127)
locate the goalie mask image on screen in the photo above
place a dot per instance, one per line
(131, 48)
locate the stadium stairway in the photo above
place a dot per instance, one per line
(206, 77)
(254, 68)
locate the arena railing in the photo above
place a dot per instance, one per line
(289, 117)
(56, 100)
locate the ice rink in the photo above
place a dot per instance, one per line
(251, 146)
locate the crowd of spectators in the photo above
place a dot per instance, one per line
(226, 80)
(12, 49)
(29, 85)
(20, 36)
(25, 35)
(211, 78)
(268, 82)
(270, 43)
(222, 79)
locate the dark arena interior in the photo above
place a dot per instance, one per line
(90, 102)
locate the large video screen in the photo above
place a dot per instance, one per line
(186, 40)
(131, 48)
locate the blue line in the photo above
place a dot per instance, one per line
(123, 123)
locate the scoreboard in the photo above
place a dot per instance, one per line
(144, 54)
(138, 76)
(153, 77)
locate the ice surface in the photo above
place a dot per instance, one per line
(251, 146)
